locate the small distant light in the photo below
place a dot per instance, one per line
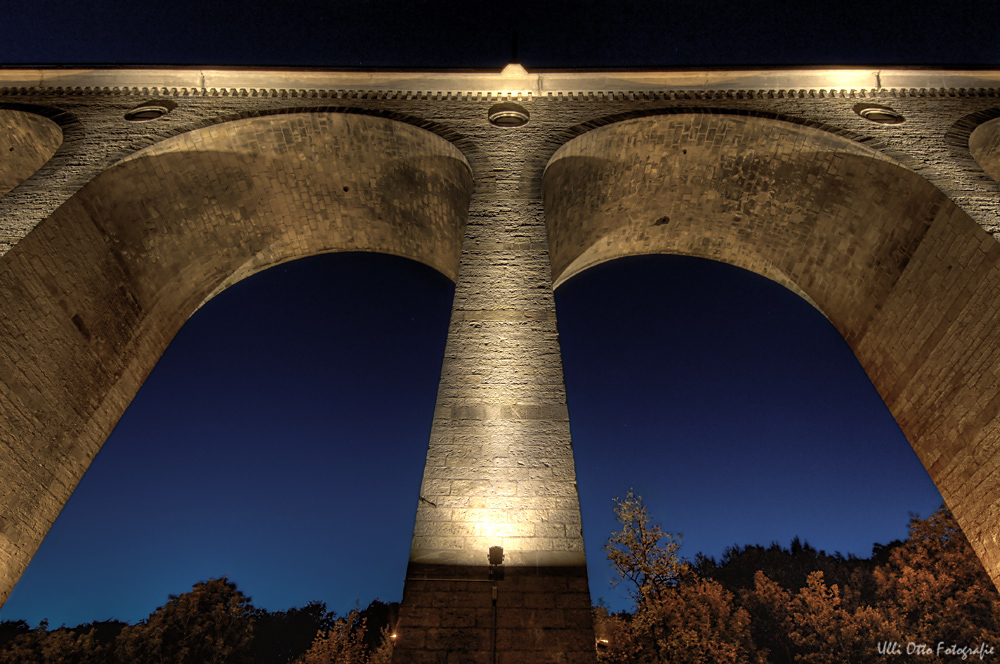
(879, 114)
(392, 636)
(146, 112)
(508, 114)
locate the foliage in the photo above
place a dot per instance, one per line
(614, 637)
(637, 554)
(61, 645)
(679, 616)
(695, 622)
(211, 624)
(92, 643)
(798, 604)
(11, 629)
(789, 567)
(344, 643)
(283, 636)
(769, 605)
(382, 654)
(380, 620)
(816, 625)
(935, 586)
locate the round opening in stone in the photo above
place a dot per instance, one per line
(146, 113)
(508, 114)
(879, 114)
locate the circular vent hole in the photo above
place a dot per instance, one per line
(508, 114)
(146, 112)
(879, 114)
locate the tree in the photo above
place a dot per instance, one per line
(360, 637)
(382, 654)
(637, 554)
(789, 567)
(696, 622)
(211, 624)
(816, 609)
(827, 632)
(770, 618)
(816, 625)
(615, 644)
(342, 644)
(936, 588)
(104, 633)
(11, 629)
(282, 636)
(680, 617)
(60, 646)
(380, 621)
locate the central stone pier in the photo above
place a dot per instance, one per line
(500, 469)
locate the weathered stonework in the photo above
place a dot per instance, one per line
(984, 143)
(115, 235)
(29, 140)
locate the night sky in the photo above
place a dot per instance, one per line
(280, 440)
(551, 34)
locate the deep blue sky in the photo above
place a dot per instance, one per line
(733, 407)
(281, 438)
(280, 441)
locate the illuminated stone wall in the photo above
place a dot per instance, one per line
(499, 466)
(29, 140)
(116, 234)
(984, 143)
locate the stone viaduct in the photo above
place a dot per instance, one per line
(129, 197)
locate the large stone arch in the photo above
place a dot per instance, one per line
(909, 280)
(27, 141)
(94, 294)
(984, 144)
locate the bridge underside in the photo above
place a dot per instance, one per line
(94, 293)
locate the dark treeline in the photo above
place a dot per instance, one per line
(213, 623)
(927, 598)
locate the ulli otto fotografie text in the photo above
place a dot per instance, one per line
(941, 650)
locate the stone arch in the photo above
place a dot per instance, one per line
(984, 144)
(27, 141)
(95, 293)
(470, 150)
(532, 176)
(975, 144)
(907, 277)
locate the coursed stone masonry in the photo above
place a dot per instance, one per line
(115, 231)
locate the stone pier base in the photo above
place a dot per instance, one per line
(511, 615)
